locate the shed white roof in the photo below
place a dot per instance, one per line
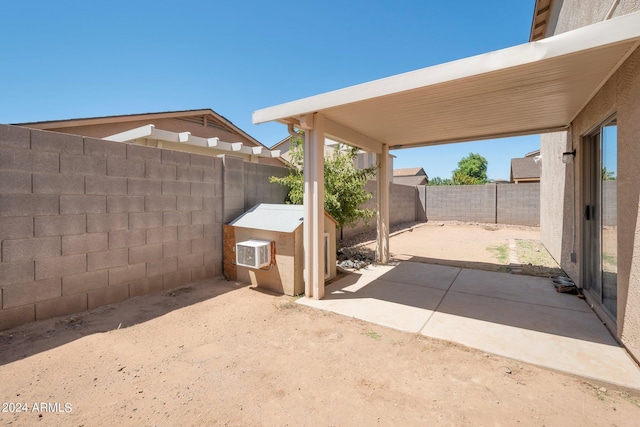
(272, 217)
(531, 88)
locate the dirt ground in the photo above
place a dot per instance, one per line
(220, 353)
(459, 244)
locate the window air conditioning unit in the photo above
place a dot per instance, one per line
(253, 253)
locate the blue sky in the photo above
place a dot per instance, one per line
(69, 59)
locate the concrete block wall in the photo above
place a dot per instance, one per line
(258, 189)
(518, 204)
(610, 203)
(244, 185)
(403, 202)
(461, 203)
(86, 222)
(233, 188)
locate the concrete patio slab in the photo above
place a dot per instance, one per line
(513, 287)
(428, 275)
(391, 304)
(564, 340)
(515, 316)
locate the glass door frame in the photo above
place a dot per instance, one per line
(592, 218)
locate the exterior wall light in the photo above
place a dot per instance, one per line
(568, 156)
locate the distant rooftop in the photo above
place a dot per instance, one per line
(409, 172)
(525, 168)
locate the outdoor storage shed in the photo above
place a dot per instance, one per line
(278, 227)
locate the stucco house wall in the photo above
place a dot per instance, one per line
(621, 94)
(560, 204)
(567, 15)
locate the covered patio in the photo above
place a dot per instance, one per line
(532, 88)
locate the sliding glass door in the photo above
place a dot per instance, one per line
(600, 252)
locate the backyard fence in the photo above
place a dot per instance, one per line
(517, 204)
(86, 222)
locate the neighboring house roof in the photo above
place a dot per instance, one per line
(204, 123)
(533, 154)
(525, 169)
(409, 172)
(273, 217)
(411, 180)
(541, 14)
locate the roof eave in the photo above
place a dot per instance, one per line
(540, 19)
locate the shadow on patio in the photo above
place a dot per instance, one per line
(517, 316)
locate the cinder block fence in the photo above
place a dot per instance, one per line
(86, 222)
(517, 204)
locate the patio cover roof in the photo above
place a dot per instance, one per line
(531, 88)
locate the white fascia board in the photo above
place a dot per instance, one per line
(132, 134)
(614, 31)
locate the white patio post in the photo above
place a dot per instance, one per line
(383, 206)
(313, 228)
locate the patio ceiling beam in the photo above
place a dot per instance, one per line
(346, 135)
(132, 134)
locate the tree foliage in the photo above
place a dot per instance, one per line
(344, 191)
(440, 181)
(608, 175)
(471, 170)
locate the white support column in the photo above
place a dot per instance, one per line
(383, 205)
(313, 228)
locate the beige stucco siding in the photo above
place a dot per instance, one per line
(557, 183)
(620, 95)
(567, 15)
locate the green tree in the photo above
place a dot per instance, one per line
(440, 181)
(471, 170)
(344, 191)
(608, 175)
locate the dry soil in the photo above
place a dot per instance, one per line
(220, 353)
